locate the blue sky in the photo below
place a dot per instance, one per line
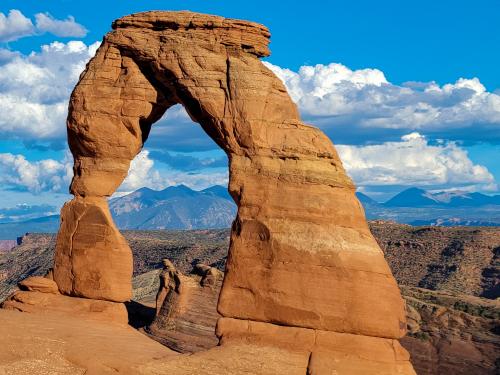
(410, 91)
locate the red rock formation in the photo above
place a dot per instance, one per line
(186, 313)
(301, 259)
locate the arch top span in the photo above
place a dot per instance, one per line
(301, 253)
(153, 60)
(249, 36)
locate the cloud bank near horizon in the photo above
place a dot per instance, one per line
(412, 161)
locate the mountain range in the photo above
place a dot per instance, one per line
(417, 206)
(176, 207)
(179, 207)
(415, 197)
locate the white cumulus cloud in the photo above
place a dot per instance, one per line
(54, 176)
(413, 161)
(18, 173)
(63, 28)
(34, 90)
(16, 25)
(142, 173)
(362, 105)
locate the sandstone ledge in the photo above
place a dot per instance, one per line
(49, 304)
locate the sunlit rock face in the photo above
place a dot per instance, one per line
(301, 260)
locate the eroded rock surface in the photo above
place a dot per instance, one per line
(92, 258)
(451, 333)
(447, 332)
(39, 284)
(186, 308)
(301, 258)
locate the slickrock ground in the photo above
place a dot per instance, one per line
(65, 345)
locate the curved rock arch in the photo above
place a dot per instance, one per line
(301, 253)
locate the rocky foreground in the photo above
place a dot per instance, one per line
(448, 276)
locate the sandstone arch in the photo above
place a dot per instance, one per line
(301, 253)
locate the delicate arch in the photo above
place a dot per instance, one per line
(301, 253)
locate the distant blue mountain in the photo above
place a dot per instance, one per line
(219, 191)
(365, 199)
(25, 212)
(473, 199)
(420, 207)
(412, 197)
(176, 207)
(415, 197)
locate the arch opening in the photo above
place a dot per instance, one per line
(177, 152)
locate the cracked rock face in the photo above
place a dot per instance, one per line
(92, 259)
(301, 253)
